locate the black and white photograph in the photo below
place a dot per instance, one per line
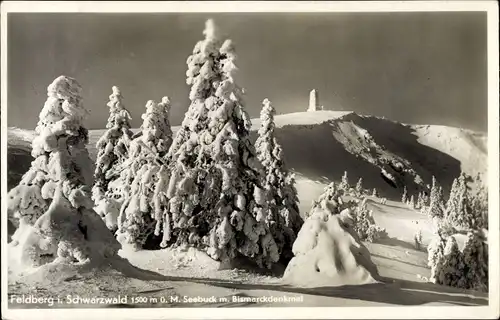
(252, 160)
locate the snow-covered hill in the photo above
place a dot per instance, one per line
(322, 145)
(319, 147)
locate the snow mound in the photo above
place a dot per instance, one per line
(327, 253)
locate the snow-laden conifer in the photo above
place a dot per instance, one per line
(436, 205)
(462, 210)
(112, 151)
(436, 256)
(475, 258)
(283, 218)
(405, 195)
(344, 183)
(139, 216)
(217, 198)
(359, 187)
(53, 201)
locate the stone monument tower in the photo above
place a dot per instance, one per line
(314, 101)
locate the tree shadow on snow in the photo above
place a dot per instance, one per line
(389, 291)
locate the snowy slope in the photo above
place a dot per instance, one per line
(319, 146)
(322, 145)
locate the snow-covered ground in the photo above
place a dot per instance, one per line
(319, 147)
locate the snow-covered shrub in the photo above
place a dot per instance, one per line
(58, 223)
(283, 218)
(217, 198)
(383, 200)
(112, 152)
(139, 215)
(374, 193)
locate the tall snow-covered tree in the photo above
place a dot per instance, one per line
(53, 201)
(283, 219)
(217, 198)
(138, 215)
(112, 152)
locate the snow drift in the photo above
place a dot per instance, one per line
(328, 253)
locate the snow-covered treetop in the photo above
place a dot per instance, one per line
(62, 114)
(118, 115)
(211, 31)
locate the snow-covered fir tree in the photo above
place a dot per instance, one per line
(460, 209)
(450, 272)
(359, 187)
(112, 152)
(420, 201)
(436, 205)
(405, 195)
(374, 193)
(138, 217)
(217, 198)
(344, 183)
(475, 258)
(53, 201)
(283, 219)
(436, 256)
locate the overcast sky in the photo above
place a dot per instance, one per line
(425, 68)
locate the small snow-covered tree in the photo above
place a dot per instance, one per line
(411, 202)
(332, 195)
(436, 205)
(418, 239)
(138, 217)
(405, 195)
(217, 198)
(344, 184)
(283, 220)
(374, 193)
(359, 187)
(53, 201)
(112, 152)
(475, 258)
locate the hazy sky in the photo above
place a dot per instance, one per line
(412, 67)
